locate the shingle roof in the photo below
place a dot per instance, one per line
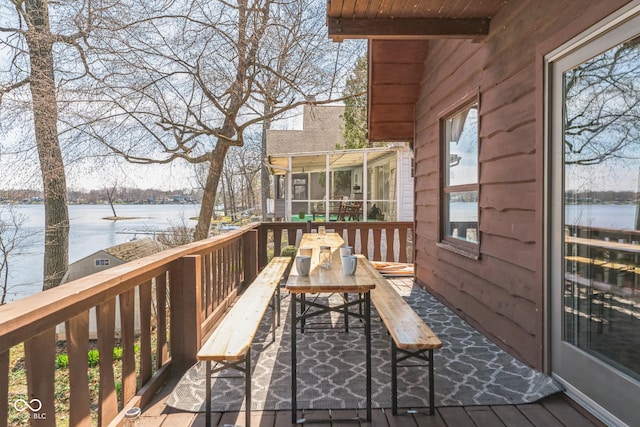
(135, 249)
(322, 131)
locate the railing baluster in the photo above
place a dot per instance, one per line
(77, 330)
(40, 354)
(145, 332)
(364, 241)
(4, 388)
(127, 336)
(108, 402)
(402, 238)
(377, 243)
(351, 237)
(390, 234)
(161, 321)
(207, 303)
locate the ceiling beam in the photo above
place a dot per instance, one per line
(419, 28)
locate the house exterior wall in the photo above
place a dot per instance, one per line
(320, 132)
(502, 292)
(405, 186)
(87, 266)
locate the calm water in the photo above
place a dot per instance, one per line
(621, 217)
(89, 233)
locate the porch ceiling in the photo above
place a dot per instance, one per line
(310, 162)
(399, 31)
(410, 18)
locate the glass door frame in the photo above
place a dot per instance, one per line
(608, 393)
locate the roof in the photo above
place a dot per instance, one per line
(135, 249)
(339, 159)
(321, 131)
(366, 19)
(399, 32)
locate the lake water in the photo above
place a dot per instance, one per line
(88, 233)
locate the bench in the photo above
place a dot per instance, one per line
(230, 344)
(410, 335)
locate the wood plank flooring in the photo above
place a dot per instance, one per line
(553, 411)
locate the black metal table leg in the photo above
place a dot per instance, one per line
(394, 378)
(346, 312)
(247, 379)
(294, 362)
(208, 392)
(432, 395)
(367, 332)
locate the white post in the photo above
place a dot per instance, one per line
(327, 182)
(365, 185)
(288, 205)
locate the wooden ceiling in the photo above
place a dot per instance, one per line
(410, 18)
(399, 31)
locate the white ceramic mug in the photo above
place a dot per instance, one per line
(303, 265)
(346, 250)
(349, 265)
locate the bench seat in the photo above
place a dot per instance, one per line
(411, 337)
(230, 344)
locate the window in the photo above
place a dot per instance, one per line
(102, 262)
(459, 200)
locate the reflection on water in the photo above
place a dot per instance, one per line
(88, 234)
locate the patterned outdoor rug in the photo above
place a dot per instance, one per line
(469, 369)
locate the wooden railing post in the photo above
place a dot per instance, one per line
(250, 256)
(263, 231)
(185, 290)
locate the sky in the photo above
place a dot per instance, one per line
(22, 171)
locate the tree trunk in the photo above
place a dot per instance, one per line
(45, 114)
(210, 190)
(265, 185)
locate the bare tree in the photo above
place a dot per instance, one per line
(27, 36)
(191, 80)
(12, 235)
(602, 118)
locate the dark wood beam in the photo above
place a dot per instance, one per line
(420, 28)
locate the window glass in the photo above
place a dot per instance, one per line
(461, 135)
(460, 163)
(601, 230)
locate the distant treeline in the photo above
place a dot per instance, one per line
(601, 196)
(121, 195)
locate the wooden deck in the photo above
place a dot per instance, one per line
(553, 411)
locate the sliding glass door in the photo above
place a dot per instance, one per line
(594, 93)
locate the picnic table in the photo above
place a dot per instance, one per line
(333, 281)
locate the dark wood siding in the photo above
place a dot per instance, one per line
(502, 292)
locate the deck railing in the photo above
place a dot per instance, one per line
(179, 294)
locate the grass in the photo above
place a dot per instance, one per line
(18, 382)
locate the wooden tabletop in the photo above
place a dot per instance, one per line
(328, 280)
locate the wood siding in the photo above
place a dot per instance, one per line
(502, 292)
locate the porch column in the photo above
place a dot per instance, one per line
(365, 185)
(327, 183)
(289, 197)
